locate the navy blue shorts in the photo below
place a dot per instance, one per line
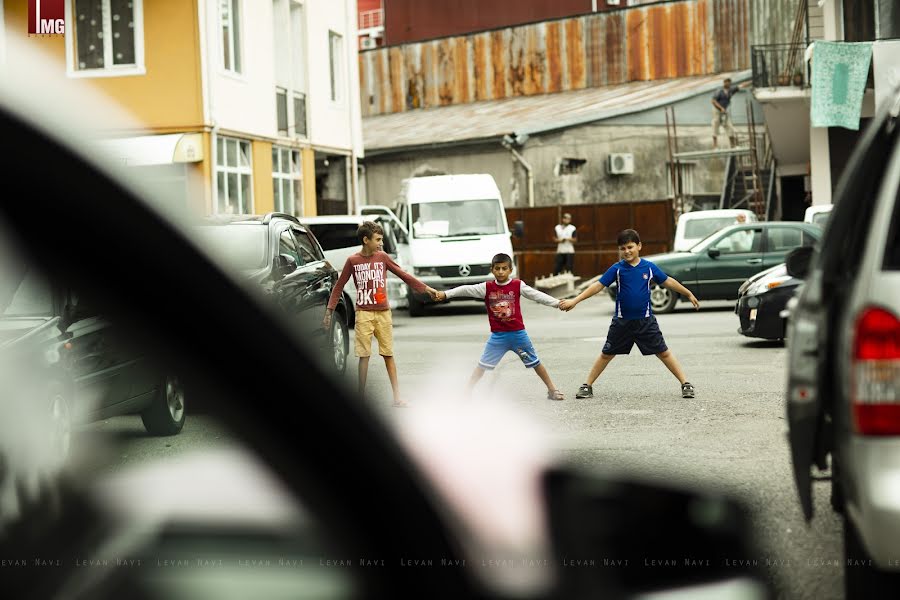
(625, 333)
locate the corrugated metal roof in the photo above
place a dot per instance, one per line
(684, 38)
(529, 114)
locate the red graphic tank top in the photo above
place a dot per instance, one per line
(502, 303)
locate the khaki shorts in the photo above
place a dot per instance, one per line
(720, 121)
(378, 322)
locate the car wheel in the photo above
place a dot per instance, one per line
(60, 416)
(416, 306)
(662, 300)
(862, 579)
(340, 342)
(165, 415)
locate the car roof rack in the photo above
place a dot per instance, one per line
(278, 215)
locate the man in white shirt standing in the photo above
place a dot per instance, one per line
(565, 236)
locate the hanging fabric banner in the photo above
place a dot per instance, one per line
(886, 63)
(839, 74)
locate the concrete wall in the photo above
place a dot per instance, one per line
(592, 184)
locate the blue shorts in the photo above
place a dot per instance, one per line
(625, 333)
(502, 342)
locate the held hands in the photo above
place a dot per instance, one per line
(439, 296)
(567, 305)
(433, 294)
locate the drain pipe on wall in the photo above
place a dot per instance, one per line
(507, 143)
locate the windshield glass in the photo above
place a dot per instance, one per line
(333, 236)
(25, 294)
(242, 247)
(821, 218)
(461, 217)
(696, 229)
(703, 244)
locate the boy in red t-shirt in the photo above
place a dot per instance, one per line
(501, 297)
(369, 269)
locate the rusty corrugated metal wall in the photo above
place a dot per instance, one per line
(661, 41)
(773, 21)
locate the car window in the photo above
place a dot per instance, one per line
(286, 245)
(782, 239)
(390, 235)
(333, 236)
(809, 239)
(308, 250)
(739, 241)
(242, 247)
(821, 218)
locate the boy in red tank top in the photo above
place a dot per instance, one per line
(501, 297)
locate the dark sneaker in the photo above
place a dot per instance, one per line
(585, 391)
(687, 390)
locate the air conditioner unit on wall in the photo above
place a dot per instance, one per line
(613, 2)
(620, 163)
(367, 43)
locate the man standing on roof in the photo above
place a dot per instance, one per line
(721, 118)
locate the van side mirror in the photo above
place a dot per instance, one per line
(519, 229)
(714, 252)
(798, 261)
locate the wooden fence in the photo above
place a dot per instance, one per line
(597, 226)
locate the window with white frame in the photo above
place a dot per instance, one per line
(230, 23)
(336, 54)
(289, 38)
(287, 180)
(108, 36)
(234, 176)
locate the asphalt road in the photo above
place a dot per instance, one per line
(729, 439)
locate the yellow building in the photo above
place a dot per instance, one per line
(246, 106)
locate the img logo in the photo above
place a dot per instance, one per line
(46, 17)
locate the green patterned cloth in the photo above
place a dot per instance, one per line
(839, 73)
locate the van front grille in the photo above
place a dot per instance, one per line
(475, 270)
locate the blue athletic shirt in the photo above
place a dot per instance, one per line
(633, 298)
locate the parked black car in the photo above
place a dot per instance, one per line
(282, 257)
(88, 369)
(761, 300)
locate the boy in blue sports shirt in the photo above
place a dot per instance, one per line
(633, 321)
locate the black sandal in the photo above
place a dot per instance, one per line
(687, 390)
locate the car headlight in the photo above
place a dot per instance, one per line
(425, 271)
(766, 284)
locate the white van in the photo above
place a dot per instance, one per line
(456, 224)
(696, 225)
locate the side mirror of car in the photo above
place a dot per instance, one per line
(798, 260)
(714, 252)
(285, 264)
(653, 538)
(519, 229)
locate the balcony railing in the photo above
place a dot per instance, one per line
(371, 18)
(779, 65)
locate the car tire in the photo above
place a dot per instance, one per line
(340, 342)
(59, 413)
(662, 300)
(862, 579)
(416, 306)
(166, 414)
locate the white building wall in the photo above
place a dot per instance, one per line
(333, 124)
(245, 103)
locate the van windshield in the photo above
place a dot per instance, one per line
(456, 218)
(700, 228)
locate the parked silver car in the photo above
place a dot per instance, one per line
(843, 395)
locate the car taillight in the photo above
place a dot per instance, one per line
(876, 373)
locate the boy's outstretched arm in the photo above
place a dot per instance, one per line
(538, 296)
(408, 279)
(593, 289)
(674, 285)
(475, 290)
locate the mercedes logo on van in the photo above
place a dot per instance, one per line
(465, 270)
